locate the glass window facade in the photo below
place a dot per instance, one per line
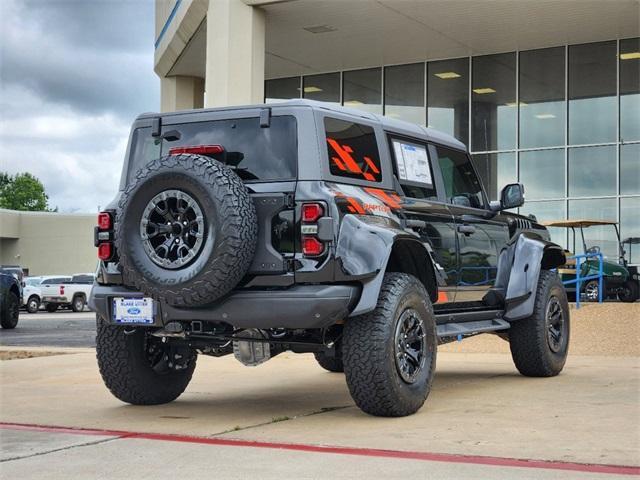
(363, 89)
(323, 88)
(543, 173)
(493, 102)
(496, 170)
(541, 81)
(592, 93)
(404, 92)
(630, 226)
(564, 120)
(592, 171)
(281, 89)
(630, 169)
(448, 97)
(630, 89)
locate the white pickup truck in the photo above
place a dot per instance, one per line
(72, 293)
(32, 291)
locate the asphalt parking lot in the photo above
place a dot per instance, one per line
(59, 329)
(289, 418)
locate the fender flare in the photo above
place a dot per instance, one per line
(364, 249)
(519, 267)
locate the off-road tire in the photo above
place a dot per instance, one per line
(331, 364)
(229, 243)
(368, 352)
(631, 293)
(78, 303)
(51, 307)
(127, 373)
(10, 311)
(33, 304)
(528, 337)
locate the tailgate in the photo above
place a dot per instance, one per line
(276, 233)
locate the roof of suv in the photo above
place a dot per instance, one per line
(425, 133)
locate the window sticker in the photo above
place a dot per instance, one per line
(413, 162)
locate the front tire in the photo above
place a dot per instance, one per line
(540, 343)
(33, 304)
(10, 311)
(389, 354)
(136, 367)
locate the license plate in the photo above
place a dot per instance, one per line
(133, 310)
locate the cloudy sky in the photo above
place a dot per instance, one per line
(73, 76)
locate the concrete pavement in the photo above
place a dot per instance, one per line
(112, 457)
(479, 406)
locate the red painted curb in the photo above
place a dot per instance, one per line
(364, 452)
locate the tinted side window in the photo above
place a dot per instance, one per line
(460, 180)
(413, 168)
(353, 150)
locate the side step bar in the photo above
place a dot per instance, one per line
(469, 328)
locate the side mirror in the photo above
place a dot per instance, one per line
(512, 196)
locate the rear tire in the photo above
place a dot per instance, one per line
(33, 304)
(631, 292)
(126, 363)
(51, 307)
(331, 364)
(10, 311)
(78, 304)
(540, 344)
(389, 354)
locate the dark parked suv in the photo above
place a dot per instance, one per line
(304, 227)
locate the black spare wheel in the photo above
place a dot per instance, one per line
(186, 230)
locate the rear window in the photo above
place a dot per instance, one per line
(257, 154)
(82, 279)
(353, 150)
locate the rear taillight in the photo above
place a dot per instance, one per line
(61, 289)
(311, 212)
(103, 236)
(104, 251)
(104, 221)
(312, 247)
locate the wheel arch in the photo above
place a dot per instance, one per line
(14, 289)
(519, 268)
(368, 247)
(411, 257)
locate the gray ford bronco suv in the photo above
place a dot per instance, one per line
(305, 227)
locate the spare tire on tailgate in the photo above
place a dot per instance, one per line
(185, 230)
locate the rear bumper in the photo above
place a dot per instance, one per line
(301, 306)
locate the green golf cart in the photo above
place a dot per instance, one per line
(619, 278)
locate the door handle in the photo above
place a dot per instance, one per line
(466, 229)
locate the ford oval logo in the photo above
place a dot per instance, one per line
(133, 310)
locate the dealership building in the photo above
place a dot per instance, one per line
(542, 92)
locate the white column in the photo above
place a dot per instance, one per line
(181, 93)
(235, 54)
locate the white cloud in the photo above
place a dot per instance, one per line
(73, 75)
